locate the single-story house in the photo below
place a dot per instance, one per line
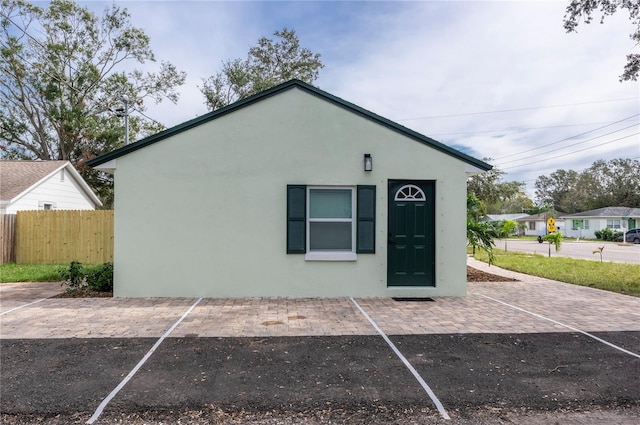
(584, 224)
(503, 217)
(43, 185)
(536, 224)
(292, 192)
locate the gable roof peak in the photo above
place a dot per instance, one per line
(308, 88)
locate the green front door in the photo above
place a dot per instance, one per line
(411, 241)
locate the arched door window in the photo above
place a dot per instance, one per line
(410, 193)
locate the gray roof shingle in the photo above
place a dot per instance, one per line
(18, 176)
(608, 212)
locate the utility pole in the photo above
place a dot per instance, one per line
(125, 100)
(124, 112)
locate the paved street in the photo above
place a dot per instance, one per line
(577, 249)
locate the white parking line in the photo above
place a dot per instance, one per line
(562, 324)
(106, 401)
(23, 305)
(415, 373)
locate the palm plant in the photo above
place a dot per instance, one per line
(480, 235)
(553, 238)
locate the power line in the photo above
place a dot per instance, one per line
(568, 138)
(541, 171)
(511, 130)
(579, 150)
(568, 146)
(148, 117)
(517, 109)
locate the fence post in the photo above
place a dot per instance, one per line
(7, 238)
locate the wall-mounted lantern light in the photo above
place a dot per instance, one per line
(368, 162)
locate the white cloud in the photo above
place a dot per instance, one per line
(422, 59)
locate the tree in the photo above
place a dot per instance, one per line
(604, 184)
(63, 72)
(497, 196)
(582, 10)
(613, 183)
(268, 64)
(554, 190)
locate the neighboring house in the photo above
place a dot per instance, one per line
(494, 218)
(536, 224)
(43, 185)
(501, 217)
(292, 192)
(584, 224)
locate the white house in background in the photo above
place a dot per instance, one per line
(43, 185)
(501, 217)
(584, 224)
(536, 224)
(292, 192)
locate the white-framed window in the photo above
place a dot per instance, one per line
(410, 192)
(532, 225)
(46, 205)
(330, 223)
(613, 224)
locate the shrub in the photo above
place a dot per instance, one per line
(607, 234)
(74, 276)
(101, 279)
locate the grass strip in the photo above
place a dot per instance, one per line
(35, 272)
(614, 277)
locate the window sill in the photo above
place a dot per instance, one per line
(330, 256)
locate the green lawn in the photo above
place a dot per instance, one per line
(30, 272)
(615, 277)
(36, 272)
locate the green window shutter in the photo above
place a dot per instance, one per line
(296, 217)
(366, 220)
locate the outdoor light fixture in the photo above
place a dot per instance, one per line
(368, 162)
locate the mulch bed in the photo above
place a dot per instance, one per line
(84, 293)
(475, 275)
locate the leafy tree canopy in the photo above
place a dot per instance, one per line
(63, 72)
(268, 64)
(497, 196)
(605, 184)
(583, 9)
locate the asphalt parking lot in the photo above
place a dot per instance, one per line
(533, 351)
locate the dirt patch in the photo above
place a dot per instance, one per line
(475, 275)
(536, 379)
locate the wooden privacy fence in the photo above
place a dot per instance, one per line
(60, 236)
(7, 238)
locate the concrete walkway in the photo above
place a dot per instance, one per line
(490, 307)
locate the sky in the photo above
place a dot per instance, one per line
(500, 80)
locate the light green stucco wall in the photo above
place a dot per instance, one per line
(204, 213)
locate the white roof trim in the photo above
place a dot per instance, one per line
(472, 170)
(72, 172)
(107, 167)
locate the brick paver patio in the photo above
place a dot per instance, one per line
(584, 308)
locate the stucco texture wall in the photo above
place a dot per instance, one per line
(204, 212)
